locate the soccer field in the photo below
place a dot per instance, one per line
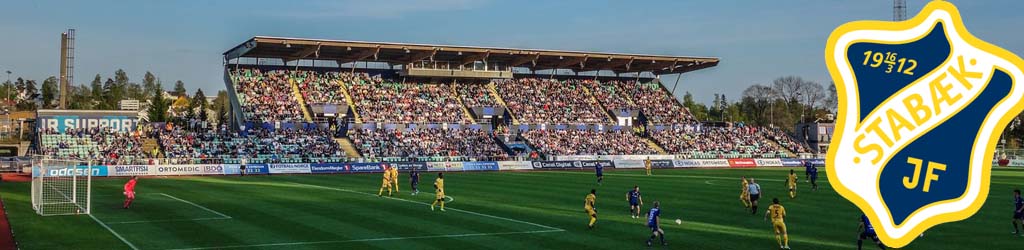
(487, 210)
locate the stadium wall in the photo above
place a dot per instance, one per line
(377, 167)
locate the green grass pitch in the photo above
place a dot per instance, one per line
(490, 210)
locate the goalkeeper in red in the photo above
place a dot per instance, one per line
(129, 191)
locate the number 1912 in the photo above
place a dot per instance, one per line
(906, 66)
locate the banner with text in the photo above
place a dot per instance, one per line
(444, 166)
(300, 168)
(233, 169)
(514, 165)
(742, 163)
(327, 168)
(769, 162)
(628, 163)
(480, 166)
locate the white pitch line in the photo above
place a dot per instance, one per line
(424, 203)
(224, 216)
(370, 240)
(126, 242)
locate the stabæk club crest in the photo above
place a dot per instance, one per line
(921, 105)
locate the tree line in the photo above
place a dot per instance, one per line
(100, 94)
(783, 103)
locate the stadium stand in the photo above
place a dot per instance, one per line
(321, 88)
(544, 101)
(427, 144)
(784, 140)
(259, 146)
(266, 96)
(379, 100)
(476, 95)
(706, 142)
(610, 94)
(586, 142)
(110, 147)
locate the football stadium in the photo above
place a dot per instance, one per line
(348, 144)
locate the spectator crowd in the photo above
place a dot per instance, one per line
(476, 95)
(545, 101)
(266, 96)
(107, 146)
(715, 142)
(321, 88)
(587, 142)
(379, 101)
(259, 145)
(416, 143)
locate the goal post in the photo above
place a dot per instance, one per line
(61, 186)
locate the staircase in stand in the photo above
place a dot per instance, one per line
(348, 147)
(302, 101)
(351, 103)
(599, 105)
(465, 110)
(494, 93)
(148, 145)
(655, 146)
(780, 147)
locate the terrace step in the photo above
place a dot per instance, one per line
(23, 148)
(351, 103)
(302, 101)
(599, 105)
(348, 147)
(779, 146)
(494, 93)
(655, 146)
(149, 144)
(465, 110)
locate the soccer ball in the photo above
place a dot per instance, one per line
(678, 221)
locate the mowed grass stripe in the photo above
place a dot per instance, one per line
(292, 206)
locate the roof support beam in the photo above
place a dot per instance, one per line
(362, 55)
(419, 56)
(521, 59)
(306, 52)
(573, 61)
(476, 57)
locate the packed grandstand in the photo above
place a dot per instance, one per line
(388, 115)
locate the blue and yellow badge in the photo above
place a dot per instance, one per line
(921, 106)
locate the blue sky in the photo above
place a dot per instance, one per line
(757, 40)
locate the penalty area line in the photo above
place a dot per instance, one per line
(126, 242)
(223, 216)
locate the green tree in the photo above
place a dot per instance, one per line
(157, 111)
(50, 90)
(80, 97)
(221, 106)
(28, 94)
(149, 85)
(110, 95)
(179, 88)
(97, 93)
(698, 110)
(199, 104)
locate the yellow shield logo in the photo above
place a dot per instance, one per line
(921, 106)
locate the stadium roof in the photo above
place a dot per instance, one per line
(343, 51)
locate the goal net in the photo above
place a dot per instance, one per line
(61, 187)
